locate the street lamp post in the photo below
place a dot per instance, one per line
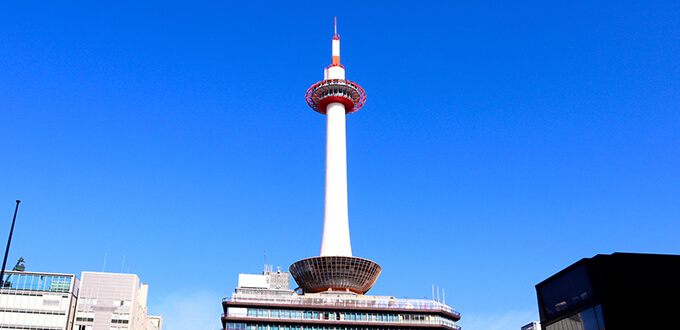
(9, 240)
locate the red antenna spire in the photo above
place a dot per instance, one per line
(336, 36)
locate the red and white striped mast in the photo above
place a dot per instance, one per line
(335, 97)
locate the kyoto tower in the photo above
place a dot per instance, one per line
(335, 270)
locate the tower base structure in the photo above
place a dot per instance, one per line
(335, 273)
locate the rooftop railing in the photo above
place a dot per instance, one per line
(36, 282)
(244, 326)
(347, 302)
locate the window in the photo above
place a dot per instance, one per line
(589, 319)
(121, 318)
(85, 317)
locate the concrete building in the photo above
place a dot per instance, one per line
(532, 326)
(260, 302)
(33, 300)
(113, 301)
(157, 322)
(331, 287)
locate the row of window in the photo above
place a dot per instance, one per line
(31, 320)
(35, 301)
(347, 316)
(89, 327)
(121, 318)
(29, 311)
(243, 326)
(28, 327)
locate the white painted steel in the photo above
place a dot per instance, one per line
(336, 47)
(335, 239)
(336, 72)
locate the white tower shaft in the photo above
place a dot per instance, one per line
(335, 240)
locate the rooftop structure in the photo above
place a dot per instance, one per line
(532, 326)
(257, 304)
(37, 300)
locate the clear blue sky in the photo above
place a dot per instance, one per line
(501, 142)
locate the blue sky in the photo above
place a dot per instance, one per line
(500, 142)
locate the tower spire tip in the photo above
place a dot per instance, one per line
(336, 28)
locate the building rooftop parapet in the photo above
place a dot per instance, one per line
(346, 301)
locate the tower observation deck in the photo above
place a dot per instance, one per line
(335, 269)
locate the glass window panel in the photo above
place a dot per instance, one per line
(598, 316)
(585, 320)
(568, 290)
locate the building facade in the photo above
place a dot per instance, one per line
(34, 300)
(113, 301)
(260, 302)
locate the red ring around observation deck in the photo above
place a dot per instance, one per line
(335, 90)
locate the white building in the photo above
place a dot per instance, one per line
(32, 300)
(532, 326)
(113, 301)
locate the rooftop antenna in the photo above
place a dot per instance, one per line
(104, 268)
(444, 296)
(265, 260)
(336, 26)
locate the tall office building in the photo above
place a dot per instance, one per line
(617, 291)
(34, 300)
(331, 287)
(113, 301)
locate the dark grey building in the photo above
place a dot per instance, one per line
(617, 291)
